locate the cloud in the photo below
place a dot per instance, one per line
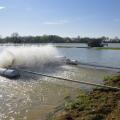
(60, 22)
(2, 7)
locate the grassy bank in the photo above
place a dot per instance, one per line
(67, 46)
(99, 104)
(107, 48)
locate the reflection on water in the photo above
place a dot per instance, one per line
(32, 97)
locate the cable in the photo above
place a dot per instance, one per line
(69, 80)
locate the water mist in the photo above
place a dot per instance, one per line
(30, 56)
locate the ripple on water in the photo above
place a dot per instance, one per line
(31, 97)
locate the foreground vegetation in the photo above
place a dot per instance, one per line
(99, 104)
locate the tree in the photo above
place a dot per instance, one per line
(15, 37)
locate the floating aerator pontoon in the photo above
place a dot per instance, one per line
(67, 60)
(14, 73)
(71, 62)
(9, 73)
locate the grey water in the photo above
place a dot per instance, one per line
(99, 57)
(34, 97)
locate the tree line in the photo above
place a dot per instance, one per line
(15, 38)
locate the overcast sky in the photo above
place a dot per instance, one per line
(92, 18)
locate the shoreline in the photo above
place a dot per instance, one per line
(62, 46)
(99, 104)
(108, 48)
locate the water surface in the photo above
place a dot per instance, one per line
(34, 97)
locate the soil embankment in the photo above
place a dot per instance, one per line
(99, 104)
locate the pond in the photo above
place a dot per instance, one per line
(34, 97)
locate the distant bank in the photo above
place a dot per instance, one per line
(16, 38)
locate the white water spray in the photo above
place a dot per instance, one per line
(30, 56)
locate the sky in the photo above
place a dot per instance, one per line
(67, 18)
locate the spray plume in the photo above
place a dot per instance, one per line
(30, 56)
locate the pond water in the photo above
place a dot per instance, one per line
(115, 45)
(34, 97)
(93, 56)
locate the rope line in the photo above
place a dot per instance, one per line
(69, 80)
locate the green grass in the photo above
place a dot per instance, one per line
(107, 48)
(82, 102)
(62, 46)
(96, 105)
